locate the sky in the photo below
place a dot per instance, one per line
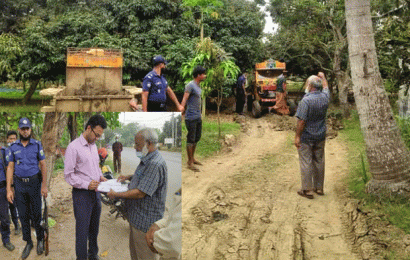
(269, 25)
(147, 119)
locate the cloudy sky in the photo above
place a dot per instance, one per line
(147, 119)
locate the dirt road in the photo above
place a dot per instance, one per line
(243, 204)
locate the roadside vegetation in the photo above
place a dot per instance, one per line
(393, 207)
(210, 144)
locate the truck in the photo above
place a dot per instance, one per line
(261, 93)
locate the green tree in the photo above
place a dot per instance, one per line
(10, 50)
(127, 133)
(205, 6)
(312, 37)
(221, 71)
(172, 129)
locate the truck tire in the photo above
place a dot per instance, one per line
(256, 109)
(292, 107)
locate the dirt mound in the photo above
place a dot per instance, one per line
(282, 123)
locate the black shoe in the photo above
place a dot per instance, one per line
(95, 257)
(17, 230)
(40, 247)
(27, 250)
(9, 246)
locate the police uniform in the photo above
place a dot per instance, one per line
(4, 205)
(156, 85)
(27, 182)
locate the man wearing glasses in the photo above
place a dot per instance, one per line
(82, 171)
(27, 167)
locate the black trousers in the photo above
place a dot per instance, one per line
(28, 201)
(4, 216)
(87, 212)
(240, 102)
(156, 107)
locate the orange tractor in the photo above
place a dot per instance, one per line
(262, 92)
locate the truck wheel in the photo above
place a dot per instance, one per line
(292, 107)
(256, 109)
(249, 103)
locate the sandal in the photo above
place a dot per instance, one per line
(304, 194)
(193, 168)
(319, 192)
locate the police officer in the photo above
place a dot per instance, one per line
(11, 138)
(30, 183)
(155, 88)
(4, 205)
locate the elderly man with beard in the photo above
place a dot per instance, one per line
(30, 183)
(82, 171)
(145, 199)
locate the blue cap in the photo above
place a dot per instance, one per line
(24, 122)
(159, 59)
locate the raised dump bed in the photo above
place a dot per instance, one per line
(93, 83)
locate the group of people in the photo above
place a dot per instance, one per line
(153, 233)
(23, 183)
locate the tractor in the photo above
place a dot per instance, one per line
(262, 90)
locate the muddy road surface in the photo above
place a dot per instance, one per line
(243, 204)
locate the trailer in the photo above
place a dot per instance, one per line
(93, 83)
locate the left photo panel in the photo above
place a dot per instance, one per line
(90, 185)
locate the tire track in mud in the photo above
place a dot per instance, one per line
(243, 205)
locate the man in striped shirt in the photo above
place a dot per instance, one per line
(311, 134)
(145, 199)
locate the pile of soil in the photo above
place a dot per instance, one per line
(91, 90)
(282, 123)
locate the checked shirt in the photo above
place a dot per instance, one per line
(150, 177)
(312, 109)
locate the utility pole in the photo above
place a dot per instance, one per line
(173, 130)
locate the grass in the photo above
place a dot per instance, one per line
(18, 108)
(11, 102)
(209, 143)
(20, 95)
(394, 208)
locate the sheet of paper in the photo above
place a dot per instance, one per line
(112, 184)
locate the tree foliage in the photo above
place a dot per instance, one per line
(142, 29)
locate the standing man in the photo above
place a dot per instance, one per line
(117, 149)
(155, 88)
(145, 199)
(30, 183)
(311, 134)
(240, 93)
(11, 138)
(280, 106)
(82, 171)
(4, 204)
(193, 121)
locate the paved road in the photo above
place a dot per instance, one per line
(130, 162)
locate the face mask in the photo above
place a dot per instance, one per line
(143, 152)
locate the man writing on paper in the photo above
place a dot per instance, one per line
(145, 199)
(82, 171)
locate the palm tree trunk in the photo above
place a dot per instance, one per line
(389, 158)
